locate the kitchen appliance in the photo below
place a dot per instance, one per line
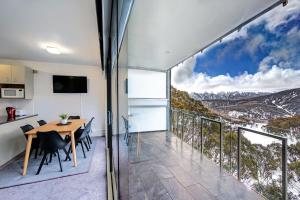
(13, 93)
(11, 112)
(20, 112)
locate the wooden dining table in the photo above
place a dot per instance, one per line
(61, 129)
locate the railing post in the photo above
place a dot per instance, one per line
(201, 136)
(239, 154)
(284, 169)
(230, 150)
(193, 132)
(182, 124)
(221, 145)
(177, 116)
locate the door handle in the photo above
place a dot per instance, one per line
(109, 117)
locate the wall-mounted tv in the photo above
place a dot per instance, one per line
(69, 84)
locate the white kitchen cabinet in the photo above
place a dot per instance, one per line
(18, 74)
(29, 83)
(5, 73)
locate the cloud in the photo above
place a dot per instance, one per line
(285, 52)
(272, 80)
(271, 20)
(279, 15)
(184, 70)
(279, 70)
(254, 44)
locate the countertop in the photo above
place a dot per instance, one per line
(5, 120)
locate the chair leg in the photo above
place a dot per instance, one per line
(42, 162)
(41, 152)
(127, 139)
(36, 153)
(90, 140)
(59, 161)
(85, 144)
(82, 150)
(50, 158)
(67, 154)
(89, 144)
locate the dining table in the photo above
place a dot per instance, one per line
(64, 130)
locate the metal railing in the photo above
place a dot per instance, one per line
(283, 154)
(181, 114)
(202, 119)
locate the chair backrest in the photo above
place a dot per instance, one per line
(26, 128)
(74, 117)
(87, 129)
(126, 123)
(50, 141)
(41, 122)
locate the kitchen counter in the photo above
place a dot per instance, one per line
(12, 140)
(5, 120)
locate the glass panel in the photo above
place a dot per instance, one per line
(147, 119)
(146, 84)
(261, 167)
(10, 93)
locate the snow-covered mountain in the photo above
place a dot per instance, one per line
(258, 108)
(226, 95)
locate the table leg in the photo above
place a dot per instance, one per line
(138, 145)
(73, 149)
(27, 154)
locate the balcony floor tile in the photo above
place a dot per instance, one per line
(170, 169)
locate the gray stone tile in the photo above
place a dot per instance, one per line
(183, 177)
(176, 190)
(152, 185)
(198, 192)
(139, 196)
(161, 171)
(135, 185)
(174, 170)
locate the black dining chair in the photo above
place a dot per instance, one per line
(126, 125)
(51, 142)
(41, 122)
(35, 141)
(88, 137)
(81, 138)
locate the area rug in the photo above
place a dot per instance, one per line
(11, 174)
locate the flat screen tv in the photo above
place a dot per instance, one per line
(69, 84)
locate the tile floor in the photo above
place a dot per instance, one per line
(165, 168)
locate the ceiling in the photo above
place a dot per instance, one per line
(70, 25)
(162, 33)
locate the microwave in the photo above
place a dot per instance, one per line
(13, 93)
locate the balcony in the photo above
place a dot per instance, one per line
(162, 166)
(185, 163)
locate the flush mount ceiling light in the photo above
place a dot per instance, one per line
(53, 50)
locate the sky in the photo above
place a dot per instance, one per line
(264, 56)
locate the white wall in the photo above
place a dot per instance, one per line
(49, 105)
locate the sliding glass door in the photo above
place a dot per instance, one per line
(117, 165)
